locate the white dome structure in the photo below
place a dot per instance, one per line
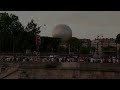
(62, 31)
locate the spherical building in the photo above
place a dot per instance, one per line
(62, 31)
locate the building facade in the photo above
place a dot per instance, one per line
(101, 43)
(86, 42)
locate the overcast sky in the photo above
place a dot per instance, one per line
(84, 24)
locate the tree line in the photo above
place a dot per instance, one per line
(14, 37)
(57, 45)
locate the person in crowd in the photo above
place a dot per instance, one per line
(117, 60)
(113, 60)
(109, 60)
(101, 60)
(91, 60)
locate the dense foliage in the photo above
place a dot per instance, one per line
(109, 48)
(49, 44)
(14, 37)
(117, 39)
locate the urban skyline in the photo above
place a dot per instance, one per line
(84, 24)
(26, 55)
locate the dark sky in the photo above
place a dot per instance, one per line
(84, 24)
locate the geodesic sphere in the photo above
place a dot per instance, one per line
(62, 31)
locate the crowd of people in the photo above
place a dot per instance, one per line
(58, 59)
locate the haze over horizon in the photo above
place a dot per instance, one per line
(84, 24)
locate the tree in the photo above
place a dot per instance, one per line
(32, 30)
(118, 39)
(50, 44)
(118, 44)
(85, 50)
(92, 49)
(74, 44)
(10, 28)
(14, 36)
(109, 48)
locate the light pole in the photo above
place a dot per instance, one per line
(38, 41)
(78, 50)
(118, 48)
(97, 52)
(13, 44)
(38, 38)
(69, 49)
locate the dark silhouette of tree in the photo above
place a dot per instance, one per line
(117, 39)
(74, 44)
(118, 45)
(14, 37)
(93, 49)
(32, 30)
(109, 48)
(85, 50)
(49, 44)
(10, 28)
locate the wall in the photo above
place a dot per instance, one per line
(67, 70)
(63, 74)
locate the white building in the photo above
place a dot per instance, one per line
(99, 43)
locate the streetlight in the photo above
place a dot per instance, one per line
(97, 46)
(118, 48)
(69, 49)
(78, 50)
(38, 40)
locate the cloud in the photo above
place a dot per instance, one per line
(85, 24)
